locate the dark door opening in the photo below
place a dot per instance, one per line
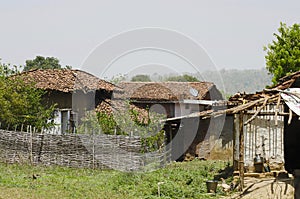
(291, 143)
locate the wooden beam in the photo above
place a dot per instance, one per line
(241, 149)
(267, 113)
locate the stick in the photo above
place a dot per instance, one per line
(290, 116)
(276, 110)
(258, 110)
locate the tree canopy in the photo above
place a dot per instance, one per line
(283, 53)
(182, 78)
(41, 62)
(21, 104)
(141, 78)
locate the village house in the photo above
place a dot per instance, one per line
(264, 127)
(75, 91)
(72, 91)
(176, 100)
(270, 125)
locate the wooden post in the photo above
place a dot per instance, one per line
(235, 142)
(241, 149)
(170, 143)
(93, 137)
(31, 158)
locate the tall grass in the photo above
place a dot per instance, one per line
(177, 180)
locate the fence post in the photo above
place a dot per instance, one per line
(93, 136)
(31, 159)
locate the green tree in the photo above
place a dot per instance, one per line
(20, 102)
(41, 62)
(117, 79)
(182, 78)
(127, 121)
(141, 78)
(283, 53)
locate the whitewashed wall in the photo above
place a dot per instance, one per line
(263, 137)
(186, 109)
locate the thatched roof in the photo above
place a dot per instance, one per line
(65, 80)
(167, 91)
(289, 81)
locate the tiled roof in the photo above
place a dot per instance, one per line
(110, 106)
(165, 91)
(65, 80)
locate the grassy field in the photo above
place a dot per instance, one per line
(177, 180)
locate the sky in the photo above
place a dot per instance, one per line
(231, 32)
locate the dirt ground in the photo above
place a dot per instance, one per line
(269, 188)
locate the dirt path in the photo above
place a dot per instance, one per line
(266, 188)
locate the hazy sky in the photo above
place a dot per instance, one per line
(232, 32)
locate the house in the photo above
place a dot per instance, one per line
(201, 135)
(270, 126)
(176, 100)
(266, 125)
(72, 91)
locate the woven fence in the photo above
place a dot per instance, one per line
(99, 151)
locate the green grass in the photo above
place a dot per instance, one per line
(177, 180)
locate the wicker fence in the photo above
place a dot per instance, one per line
(79, 150)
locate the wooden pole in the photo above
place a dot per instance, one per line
(241, 149)
(31, 158)
(93, 137)
(235, 142)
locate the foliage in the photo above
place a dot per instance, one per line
(177, 180)
(151, 131)
(126, 122)
(182, 78)
(154, 142)
(107, 124)
(117, 79)
(141, 78)
(41, 62)
(7, 70)
(283, 54)
(21, 103)
(89, 124)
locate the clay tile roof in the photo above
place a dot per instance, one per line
(109, 106)
(65, 80)
(164, 91)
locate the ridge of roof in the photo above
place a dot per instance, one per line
(164, 91)
(65, 80)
